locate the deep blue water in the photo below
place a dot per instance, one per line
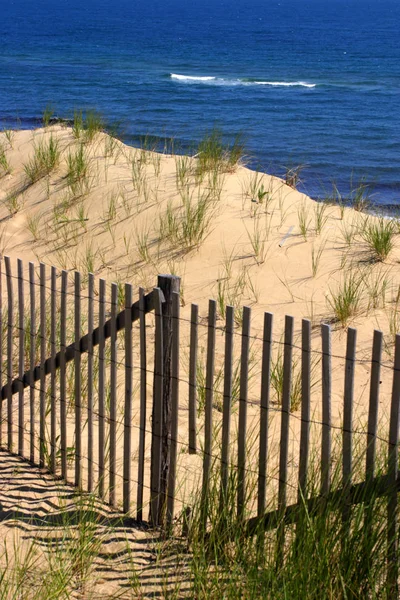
(341, 117)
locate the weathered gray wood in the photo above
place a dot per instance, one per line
(373, 404)
(284, 441)
(102, 376)
(393, 471)
(53, 414)
(168, 284)
(32, 360)
(305, 407)
(10, 319)
(21, 356)
(347, 458)
(243, 397)
(326, 410)
(174, 407)
(194, 320)
(83, 345)
(264, 412)
(77, 387)
(208, 416)
(128, 405)
(113, 394)
(63, 374)
(286, 392)
(90, 380)
(156, 425)
(227, 403)
(143, 404)
(42, 391)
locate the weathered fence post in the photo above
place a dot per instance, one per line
(167, 284)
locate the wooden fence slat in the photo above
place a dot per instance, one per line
(42, 391)
(227, 403)
(284, 439)
(393, 471)
(194, 320)
(174, 407)
(32, 360)
(78, 399)
(373, 404)
(143, 404)
(53, 414)
(157, 414)
(243, 397)
(209, 398)
(113, 393)
(10, 319)
(326, 410)
(128, 405)
(167, 284)
(285, 413)
(305, 407)
(63, 374)
(21, 357)
(102, 377)
(264, 412)
(347, 457)
(90, 380)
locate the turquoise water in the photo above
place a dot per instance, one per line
(310, 82)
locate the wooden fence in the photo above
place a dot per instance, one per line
(46, 424)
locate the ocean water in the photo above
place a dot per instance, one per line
(306, 82)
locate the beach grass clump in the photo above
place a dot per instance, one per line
(45, 159)
(259, 236)
(346, 300)
(189, 225)
(48, 113)
(316, 255)
(5, 168)
(86, 127)
(277, 376)
(78, 170)
(213, 153)
(94, 124)
(320, 217)
(14, 202)
(377, 284)
(360, 195)
(320, 556)
(304, 220)
(379, 235)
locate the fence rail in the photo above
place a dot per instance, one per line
(82, 427)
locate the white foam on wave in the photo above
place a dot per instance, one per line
(230, 82)
(190, 77)
(286, 83)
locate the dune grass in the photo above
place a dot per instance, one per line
(379, 235)
(346, 300)
(45, 159)
(213, 153)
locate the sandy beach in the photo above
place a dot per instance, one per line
(122, 213)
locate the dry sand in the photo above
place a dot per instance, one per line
(109, 223)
